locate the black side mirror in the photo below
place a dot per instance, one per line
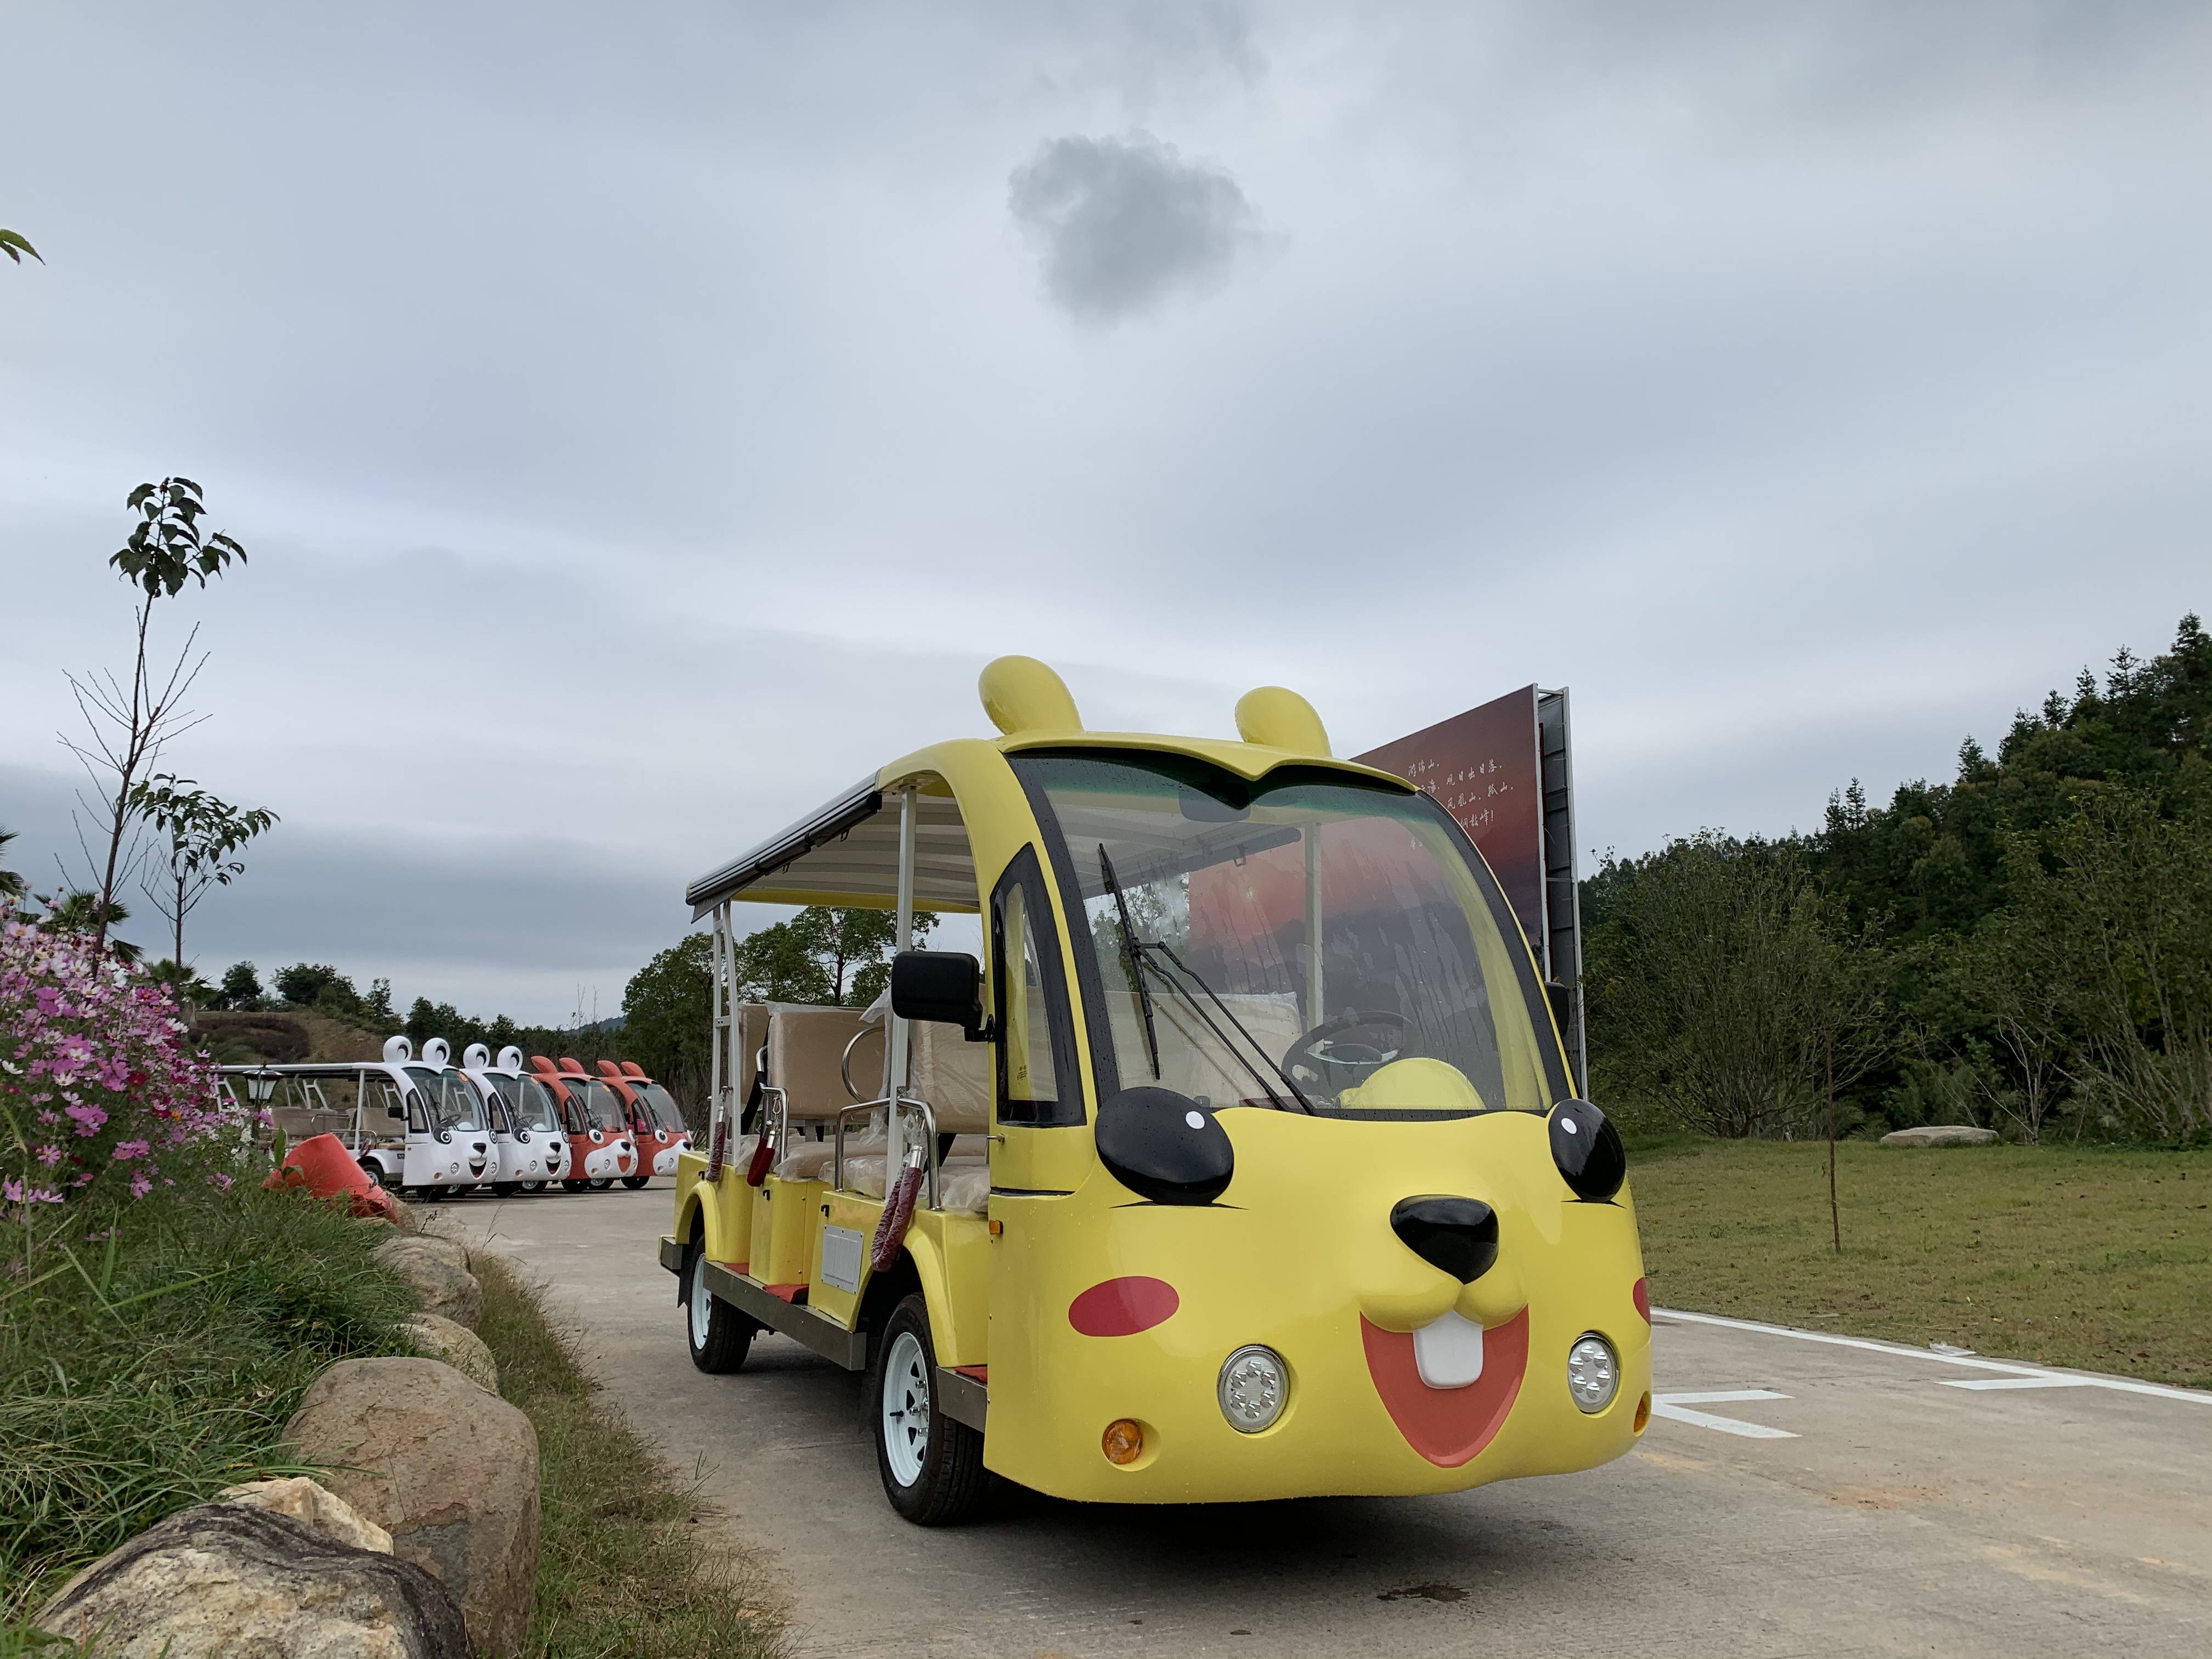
(944, 987)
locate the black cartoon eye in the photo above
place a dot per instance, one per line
(1164, 1146)
(1588, 1150)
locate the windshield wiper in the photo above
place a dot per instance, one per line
(1135, 950)
(1136, 962)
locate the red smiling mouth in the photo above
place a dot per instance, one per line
(1448, 1426)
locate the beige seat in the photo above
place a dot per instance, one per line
(954, 1076)
(805, 1056)
(1191, 1058)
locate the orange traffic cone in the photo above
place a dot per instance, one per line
(322, 1165)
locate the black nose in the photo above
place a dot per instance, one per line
(1459, 1235)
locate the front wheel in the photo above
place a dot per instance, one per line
(719, 1335)
(932, 1466)
(575, 1186)
(374, 1170)
(636, 1183)
(506, 1188)
(601, 1184)
(533, 1186)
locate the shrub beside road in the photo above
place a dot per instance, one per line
(2092, 1258)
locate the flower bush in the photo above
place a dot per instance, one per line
(100, 1093)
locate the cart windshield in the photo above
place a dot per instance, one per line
(449, 1097)
(602, 1106)
(1195, 895)
(661, 1108)
(529, 1102)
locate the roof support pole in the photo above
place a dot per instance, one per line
(1314, 1014)
(895, 1045)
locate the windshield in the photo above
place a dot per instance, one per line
(529, 1102)
(1209, 986)
(661, 1106)
(450, 1097)
(602, 1106)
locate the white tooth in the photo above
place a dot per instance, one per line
(1448, 1351)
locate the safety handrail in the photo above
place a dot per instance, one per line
(903, 1102)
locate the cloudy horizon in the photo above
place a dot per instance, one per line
(640, 424)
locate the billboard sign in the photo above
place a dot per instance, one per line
(1503, 771)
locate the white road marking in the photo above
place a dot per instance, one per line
(2087, 1379)
(2017, 1383)
(1676, 1406)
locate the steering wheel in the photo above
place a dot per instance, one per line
(1317, 1057)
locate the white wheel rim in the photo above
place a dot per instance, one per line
(906, 1408)
(702, 1302)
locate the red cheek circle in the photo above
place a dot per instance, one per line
(1642, 1301)
(1122, 1307)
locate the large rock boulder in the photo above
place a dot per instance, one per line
(439, 1338)
(449, 1470)
(1941, 1134)
(312, 1505)
(228, 1581)
(437, 1271)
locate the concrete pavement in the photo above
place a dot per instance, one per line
(1793, 1496)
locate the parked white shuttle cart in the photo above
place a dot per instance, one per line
(414, 1125)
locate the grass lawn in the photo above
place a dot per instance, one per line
(623, 1568)
(2100, 1259)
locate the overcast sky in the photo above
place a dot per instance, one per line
(644, 419)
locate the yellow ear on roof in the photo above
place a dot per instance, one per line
(1280, 719)
(1021, 694)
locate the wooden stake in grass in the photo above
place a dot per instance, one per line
(1835, 1214)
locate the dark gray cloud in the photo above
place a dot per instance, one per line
(1120, 224)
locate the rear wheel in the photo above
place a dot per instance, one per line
(602, 1183)
(533, 1186)
(374, 1170)
(635, 1182)
(932, 1466)
(575, 1186)
(506, 1188)
(719, 1335)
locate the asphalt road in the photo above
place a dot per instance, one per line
(1796, 1495)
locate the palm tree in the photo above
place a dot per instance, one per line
(11, 885)
(81, 912)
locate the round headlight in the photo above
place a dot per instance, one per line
(1593, 1373)
(1254, 1385)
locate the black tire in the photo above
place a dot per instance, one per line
(601, 1184)
(425, 1194)
(575, 1186)
(636, 1183)
(533, 1186)
(950, 1483)
(506, 1188)
(720, 1338)
(374, 1170)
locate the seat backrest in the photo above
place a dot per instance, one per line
(1192, 1062)
(806, 1046)
(953, 1075)
(752, 1031)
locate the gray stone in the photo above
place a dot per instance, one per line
(311, 1505)
(439, 1338)
(1941, 1134)
(442, 1285)
(448, 1469)
(229, 1581)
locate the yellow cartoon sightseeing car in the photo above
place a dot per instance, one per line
(1246, 1166)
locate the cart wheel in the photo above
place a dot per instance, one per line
(718, 1334)
(602, 1183)
(932, 1466)
(374, 1171)
(533, 1186)
(575, 1186)
(506, 1188)
(636, 1183)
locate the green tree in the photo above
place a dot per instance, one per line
(81, 912)
(667, 1013)
(376, 1006)
(318, 986)
(205, 835)
(240, 988)
(1719, 987)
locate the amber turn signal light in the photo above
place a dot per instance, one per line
(1642, 1413)
(1123, 1442)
